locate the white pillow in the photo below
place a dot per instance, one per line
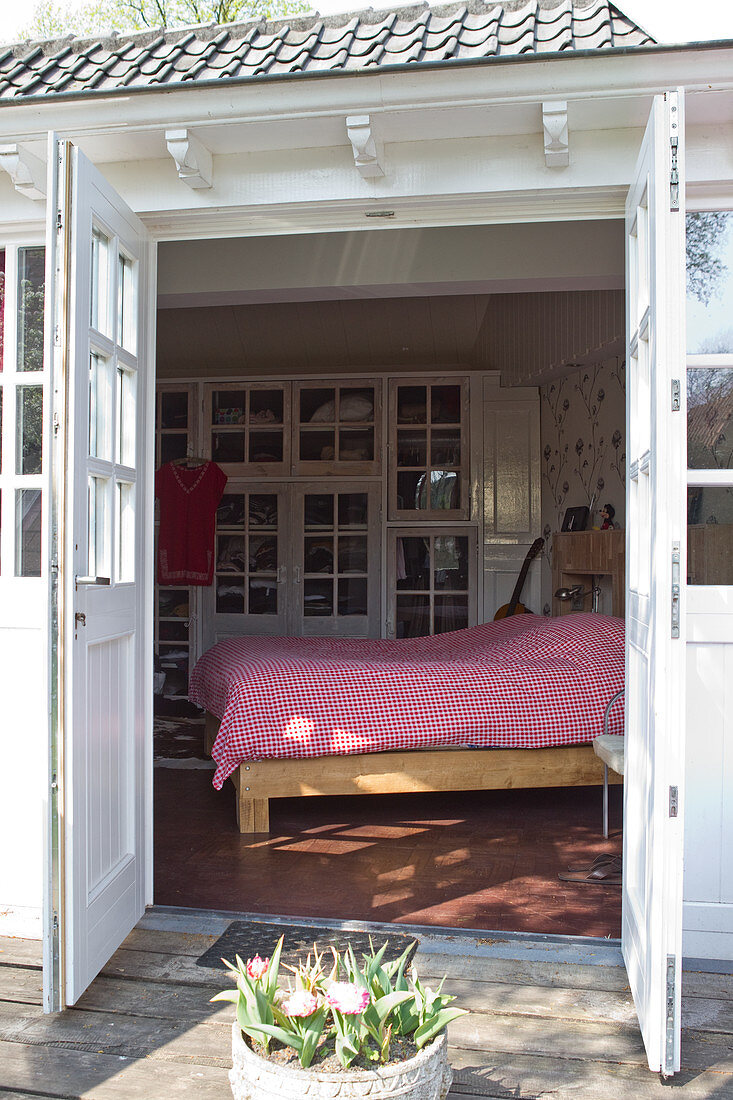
(353, 406)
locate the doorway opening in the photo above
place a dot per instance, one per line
(395, 432)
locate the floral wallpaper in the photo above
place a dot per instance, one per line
(583, 434)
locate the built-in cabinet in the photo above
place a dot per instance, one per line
(354, 507)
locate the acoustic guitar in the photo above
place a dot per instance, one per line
(514, 607)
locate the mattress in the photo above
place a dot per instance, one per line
(524, 682)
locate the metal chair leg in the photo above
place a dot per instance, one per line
(605, 801)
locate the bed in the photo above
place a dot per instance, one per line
(514, 703)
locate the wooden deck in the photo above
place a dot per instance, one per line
(547, 1020)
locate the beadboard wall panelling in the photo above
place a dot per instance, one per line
(533, 338)
(583, 450)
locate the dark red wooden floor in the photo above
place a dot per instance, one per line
(482, 860)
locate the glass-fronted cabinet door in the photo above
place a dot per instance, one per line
(337, 560)
(432, 577)
(249, 593)
(175, 611)
(336, 428)
(249, 427)
(429, 455)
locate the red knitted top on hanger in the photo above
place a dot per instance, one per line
(188, 502)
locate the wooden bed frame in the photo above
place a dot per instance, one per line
(407, 772)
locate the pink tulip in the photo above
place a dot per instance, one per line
(348, 998)
(300, 1003)
(257, 967)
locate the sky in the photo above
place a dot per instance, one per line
(666, 20)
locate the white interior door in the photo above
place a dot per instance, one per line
(655, 548)
(101, 517)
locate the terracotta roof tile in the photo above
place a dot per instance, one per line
(349, 42)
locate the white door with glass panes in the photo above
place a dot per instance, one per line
(100, 502)
(655, 620)
(432, 580)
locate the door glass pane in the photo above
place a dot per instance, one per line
(31, 281)
(126, 302)
(710, 283)
(126, 408)
(29, 430)
(413, 563)
(100, 311)
(98, 527)
(412, 618)
(710, 419)
(450, 613)
(28, 532)
(352, 596)
(262, 595)
(126, 531)
(710, 535)
(352, 554)
(100, 407)
(230, 595)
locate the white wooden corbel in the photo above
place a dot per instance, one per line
(27, 172)
(367, 153)
(555, 124)
(193, 159)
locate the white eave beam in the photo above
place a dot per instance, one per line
(27, 172)
(555, 127)
(368, 154)
(192, 158)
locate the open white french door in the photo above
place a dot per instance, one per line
(99, 346)
(655, 553)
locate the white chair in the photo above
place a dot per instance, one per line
(610, 748)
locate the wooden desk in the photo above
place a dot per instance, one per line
(578, 556)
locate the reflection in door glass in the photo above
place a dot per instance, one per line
(28, 532)
(710, 283)
(709, 535)
(710, 418)
(29, 430)
(31, 281)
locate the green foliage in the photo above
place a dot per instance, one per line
(54, 18)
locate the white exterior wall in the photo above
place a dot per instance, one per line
(309, 182)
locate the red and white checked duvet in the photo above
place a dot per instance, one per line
(523, 682)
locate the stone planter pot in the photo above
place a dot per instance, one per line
(427, 1076)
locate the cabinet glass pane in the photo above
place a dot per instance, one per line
(100, 311)
(450, 563)
(710, 419)
(227, 446)
(352, 510)
(174, 410)
(230, 512)
(356, 405)
(318, 406)
(412, 407)
(266, 407)
(173, 660)
(352, 554)
(412, 618)
(317, 597)
(28, 532)
(172, 447)
(450, 613)
(31, 281)
(445, 448)
(173, 603)
(173, 631)
(445, 404)
(412, 447)
(356, 445)
(318, 510)
(317, 446)
(410, 491)
(352, 596)
(263, 554)
(262, 596)
(228, 407)
(29, 429)
(413, 563)
(710, 283)
(263, 510)
(230, 554)
(318, 555)
(444, 491)
(710, 535)
(230, 595)
(265, 446)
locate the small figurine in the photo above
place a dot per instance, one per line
(607, 513)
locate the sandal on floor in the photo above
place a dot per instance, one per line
(605, 875)
(599, 861)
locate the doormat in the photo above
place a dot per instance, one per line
(247, 939)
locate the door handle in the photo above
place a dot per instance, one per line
(80, 618)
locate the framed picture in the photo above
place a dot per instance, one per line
(575, 519)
